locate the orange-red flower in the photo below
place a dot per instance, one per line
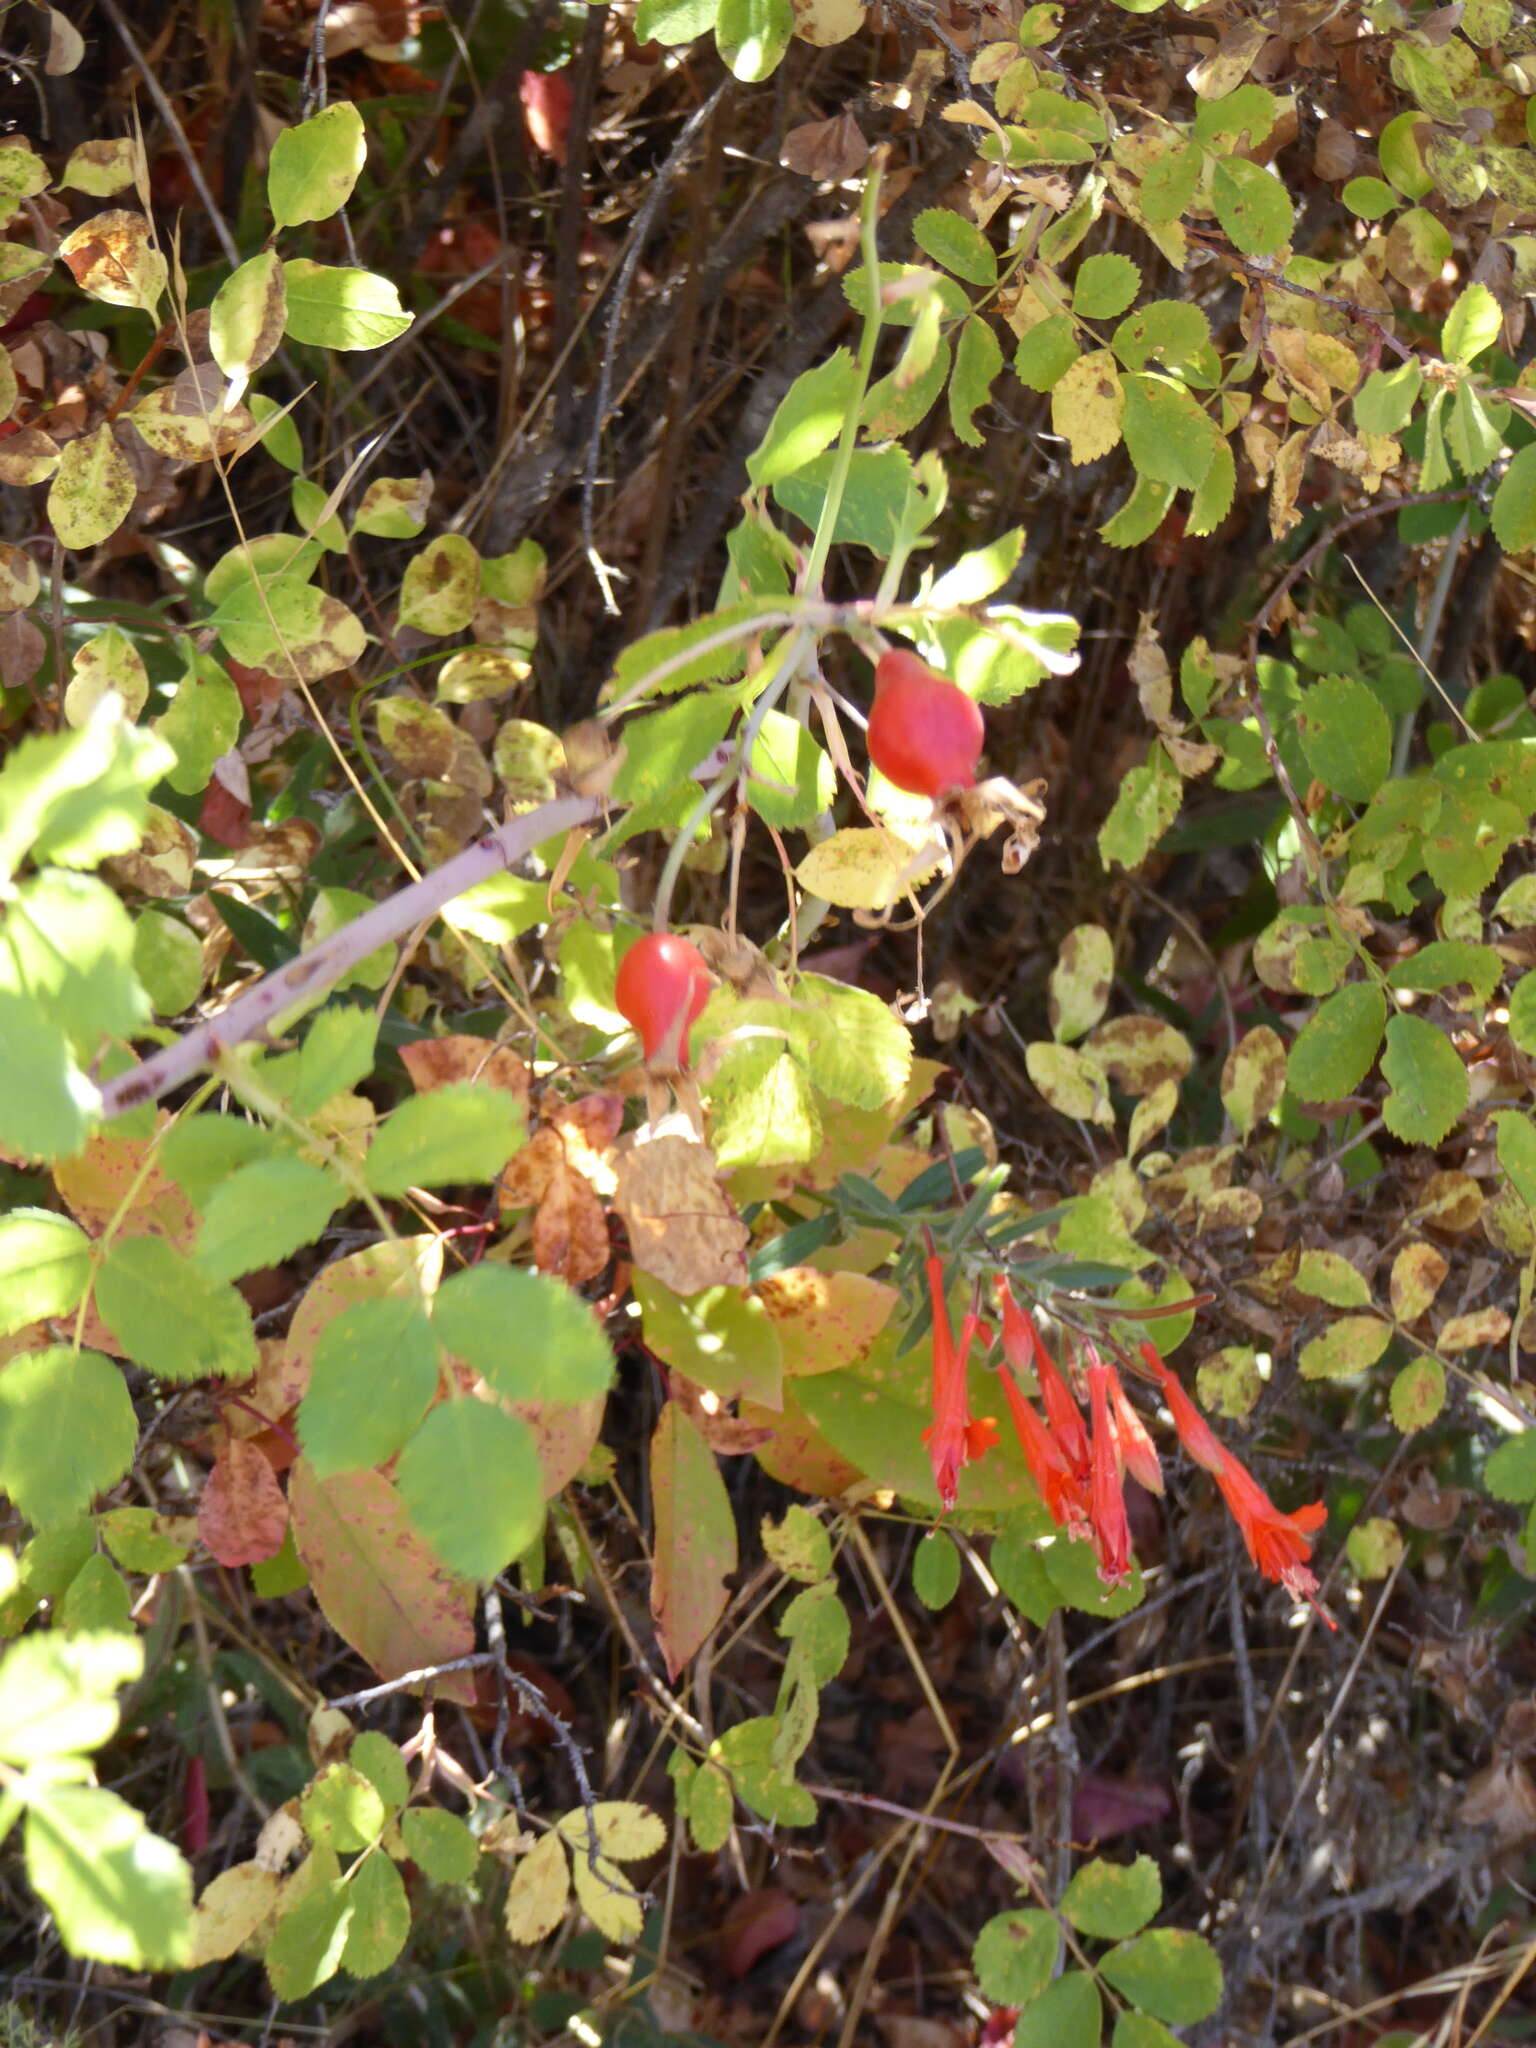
(1279, 1544)
(1137, 1451)
(953, 1437)
(1056, 1478)
(1026, 1353)
(1111, 1527)
(1195, 1433)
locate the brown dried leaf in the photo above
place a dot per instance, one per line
(441, 1062)
(243, 1515)
(683, 1228)
(827, 151)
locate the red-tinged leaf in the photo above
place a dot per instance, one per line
(378, 1584)
(242, 1516)
(758, 1922)
(226, 812)
(695, 1537)
(546, 98)
(1103, 1807)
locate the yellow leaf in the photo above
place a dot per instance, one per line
(1087, 405)
(625, 1830)
(230, 1911)
(536, 1897)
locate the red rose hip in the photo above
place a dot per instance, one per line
(925, 733)
(661, 987)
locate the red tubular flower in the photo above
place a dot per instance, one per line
(1137, 1450)
(1055, 1476)
(953, 1438)
(1278, 1544)
(1195, 1433)
(1111, 1528)
(1026, 1353)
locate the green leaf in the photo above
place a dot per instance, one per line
(816, 1622)
(374, 1373)
(674, 21)
(1105, 286)
(1350, 1345)
(307, 1947)
(957, 243)
(719, 1338)
(752, 36)
(249, 311)
(47, 1107)
(1046, 353)
(1252, 205)
(1418, 1394)
(1385, 401)
(334, 307)
(1514, 504)
(799, 1546)
(662, 748)
(791, 781)
(77, 798)
(1068, 2014)
(67, 1431)
(1015, 1954)
(1471, 326)
(441, 586)
(1018, 1565)
(1113, 1900)
(66, 949)
(1149, 800)
(168, 960)
(314, 166)
(936, 1570)
(440, 1843)
(1329, 1277)
(1346, 737)
(1139, 2030)
(118, 1893)
(58, 1694)
(527, 1335)
(341, 1809)
(1169, 436)
(282, 623)
(472, 1484)
(1428, 1084)
(1336, 1048)
(1172, 1975)
(1450, 963)
(92, 491)
(1474, 438)
(763, 1109)
(264, 1212)
(337, 1053)
(45, 1262)
(854, 1048)
(1140, 516)
(172, 1317)
(874, 501)
(460, 1133)
(1510, 1473)
(1369, 198)
(381, 1916)
(978, 359)
(1516, 1138)
(382, 1765)
(198, 1152)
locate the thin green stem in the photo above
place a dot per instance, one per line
(842, 462)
